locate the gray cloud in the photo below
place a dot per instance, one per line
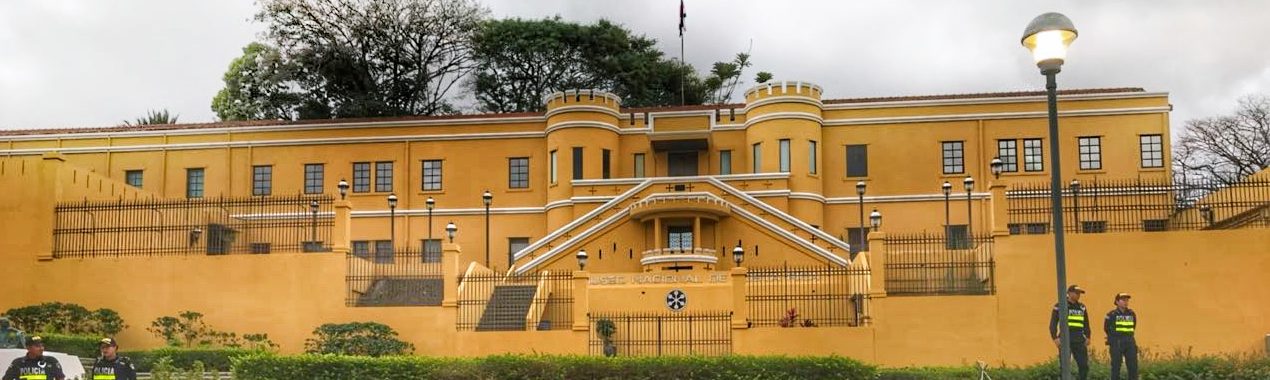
(87, 63)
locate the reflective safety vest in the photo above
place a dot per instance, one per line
(1076, 319)
(40, 376)
(103, 376)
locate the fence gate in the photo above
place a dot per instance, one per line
(657, 334)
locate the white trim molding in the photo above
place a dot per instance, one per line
(783, 115)
(906, 198)
(987, 99)
(583, 108)
(288, 142)
(582, 124)
(448, 212)
(444, 122)
(783, 99)
(995, 116)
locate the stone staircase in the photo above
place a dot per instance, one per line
(507, 308)
(403, 292)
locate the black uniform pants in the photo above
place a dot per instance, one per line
(1080, 352)
(1124, 349)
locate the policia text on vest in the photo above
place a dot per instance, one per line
(1120, 325)
(34, 365)
(1077, 321)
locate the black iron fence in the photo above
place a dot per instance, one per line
(501, 302)
(1141, 205)
(657, 334)
(807, 297)
(928, 264)
(397, 277)
(176, 227)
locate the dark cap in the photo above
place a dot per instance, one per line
(107, 342)
(1075, 288)
(1120, 296)
(34, 339)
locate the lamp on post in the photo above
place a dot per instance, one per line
(1048, 37)
(451, 230)
(970, 185)
(859, 191)
(343, 186)
(738, 253)
(1075, 184)
(392, 220)
(875, 219)
(430, 204)
(947, 188)
(581, 256)
(997, 165)
(313, 207)
(487, 199)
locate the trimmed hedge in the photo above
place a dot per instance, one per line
(84, 346)
(270, 367)
(219, 359)
(1207, 367)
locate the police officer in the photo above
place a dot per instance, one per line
(34, 366)
(1120, 325)
(111, 366)
(1077, 321)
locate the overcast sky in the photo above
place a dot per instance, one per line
(80, 63)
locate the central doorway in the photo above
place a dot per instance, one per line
(682, 164)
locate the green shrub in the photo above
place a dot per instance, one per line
(65, 318)
(84, 346)
(269, 367)
(214, 359)
(187, 329)
(1152, 367)
(356, 338)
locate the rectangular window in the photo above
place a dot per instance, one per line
(679, 238)
(431, 175)
(1090, 152)
(859, 242)
(725, 162)
(261, 180)
(383, 251)
(784, 155)
(361, 248)
(516, 244)
(577, 162)
(194, 183)
(361, 177)
(1152, 148)
(639, 165)
(518, 172)
(1033, 155)
(383, 176)
(954, 157)
(431, 251)
(958, 237)
(756, 157)
(553, 167)
(1093, 226)
(604, 163)
(811, 158)
(1038, 228)
(313, 174)
(1008, 152)
(133, 178)
(857, 160)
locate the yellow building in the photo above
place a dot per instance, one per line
(246, 222)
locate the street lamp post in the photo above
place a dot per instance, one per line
(313, 206)
(859, 190)
(451, 230)
(343, 186)
(738, 253)
(1048, 37)
(947, 188)
(1075, 184)
(392, 221)
(970, 185)
(582, 258)
(487, 199)
(875, 219)
(997, 166)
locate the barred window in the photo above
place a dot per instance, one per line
(361, 248)
(261, 180)
(383, 251)
(1008, 152)
(1033, 155)
(194, 183)
(1090, 152)
(313, 174)
(954, 157)
(361, 177)
(518, 172)
(383, 176)
(1152, 147)
(431, 251)
(133, 178)
(431, 175)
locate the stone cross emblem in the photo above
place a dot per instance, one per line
(676, 300)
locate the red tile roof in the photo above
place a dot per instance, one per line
(638, 110)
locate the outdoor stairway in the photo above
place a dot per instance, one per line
(403, 292)
(507, 308)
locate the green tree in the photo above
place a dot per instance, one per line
(356, 338)
(260, 84)
(154, 117)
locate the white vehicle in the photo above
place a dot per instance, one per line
(71, 366)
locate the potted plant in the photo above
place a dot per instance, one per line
(605, 328)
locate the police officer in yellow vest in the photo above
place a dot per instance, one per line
(34, 365)
(1120, 326)
(111, 366)
(1077, 328)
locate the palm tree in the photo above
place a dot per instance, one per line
(153, 117)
